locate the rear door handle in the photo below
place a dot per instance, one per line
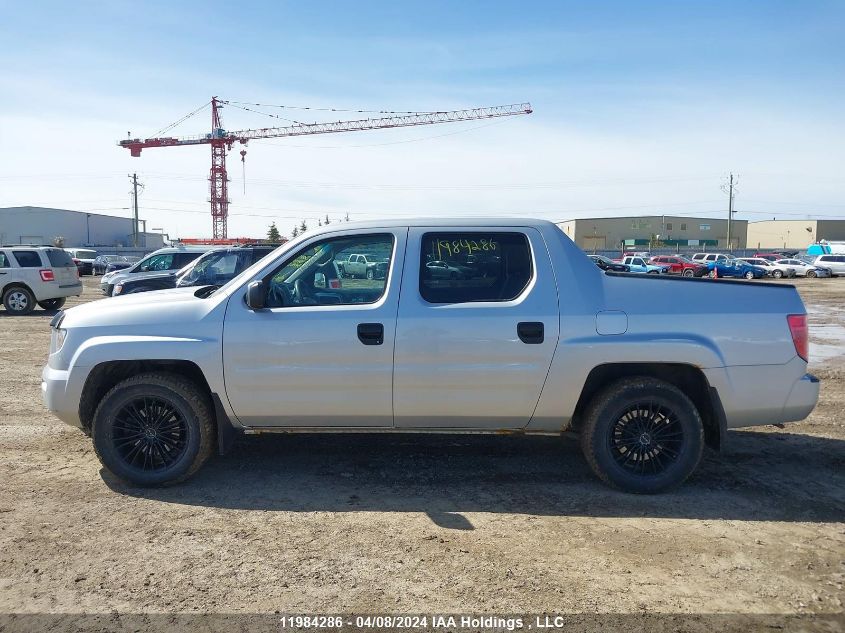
(371, 333)
(530, 332)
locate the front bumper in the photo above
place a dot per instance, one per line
(56, 396)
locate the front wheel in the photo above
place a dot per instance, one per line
(154, 429)
(777, 274)
(642, 435)
(370, 275)
(712, 274)
(653, 272)
(52, 304)
(811, 273)
(689, 272)
(749, 275)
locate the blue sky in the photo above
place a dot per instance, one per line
(640, 107)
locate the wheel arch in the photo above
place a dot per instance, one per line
(688, 378)
(15, 284)
(106, 375)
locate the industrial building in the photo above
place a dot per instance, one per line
(596, 234)
(40, 225)
(798, 234)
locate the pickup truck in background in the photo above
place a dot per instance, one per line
(646, 369)
(362, 266)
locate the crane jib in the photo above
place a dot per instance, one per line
(220, 140)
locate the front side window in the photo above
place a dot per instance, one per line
(27, 259)
(471, 266)
(157, 262)
(314, 276)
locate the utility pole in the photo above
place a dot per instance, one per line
(135, 207)
(729, 189)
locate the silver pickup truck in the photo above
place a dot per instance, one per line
(647, 369)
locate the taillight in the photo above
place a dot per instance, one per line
(47, 274)
(800, 334)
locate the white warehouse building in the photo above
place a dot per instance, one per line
(41, 225)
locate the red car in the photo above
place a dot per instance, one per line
(770, 256)
(680, 265)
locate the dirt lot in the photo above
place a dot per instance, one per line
(410, 524)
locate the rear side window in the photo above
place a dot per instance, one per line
(469, 267)
(27, 259)
(183, 259)
(59, 258)
(4, 263)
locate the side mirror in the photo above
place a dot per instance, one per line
(255, 295)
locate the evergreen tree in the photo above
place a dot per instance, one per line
(273, 235)
(303, 227)
(327, 221)
(294, 233)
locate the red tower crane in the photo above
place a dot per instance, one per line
(222, 141)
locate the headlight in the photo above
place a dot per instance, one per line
(117, 290)
(57, 339)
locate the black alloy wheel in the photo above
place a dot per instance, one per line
(646, 438)
(149, 434)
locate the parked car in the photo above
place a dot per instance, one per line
(771, 267)
(836, 263)
(362, 266)
(641, 265)
(108, 263)
(709, 258)
(214, 268)
(646, 374)
(784, 253)
(83, 258)
(607, 264)
(31, 275)
(680, 265)
(171, 258)
(805, 269)
(736, 268)
(443, 270)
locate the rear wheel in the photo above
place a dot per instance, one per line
(153, 429)
(777, 274)
(642, 435)
(653, 272)
(689, 272)
(19, 300)
(52, 304)
(370, 274)
(750, 275)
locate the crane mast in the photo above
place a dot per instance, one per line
(222, 141)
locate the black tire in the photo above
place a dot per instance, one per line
(777, 274)
(749, 275)
(631, 411)
(168, 449)
(689, 272)
(371, 274)
(811, 274)
(19, 300)
(52, 304)
(712, 274)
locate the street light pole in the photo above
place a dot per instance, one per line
(88, 229)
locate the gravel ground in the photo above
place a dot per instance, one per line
(305, 524)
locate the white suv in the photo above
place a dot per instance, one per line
(31, 275)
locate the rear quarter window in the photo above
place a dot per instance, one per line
(474, 266)
(28, 259)
(59, 258)
(4, 263)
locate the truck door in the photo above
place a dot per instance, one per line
(321, 353)
(473, 349)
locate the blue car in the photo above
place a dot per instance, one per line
(640, 265)
(735, 268)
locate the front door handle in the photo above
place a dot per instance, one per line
(530, 332)
(371, 333)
